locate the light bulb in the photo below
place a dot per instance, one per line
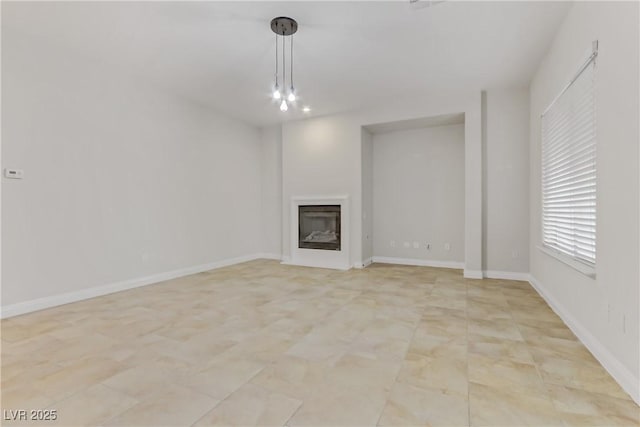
(276, 93)
(284, 106)
(292, 96)
(306, 109)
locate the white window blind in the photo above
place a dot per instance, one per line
(569, 170)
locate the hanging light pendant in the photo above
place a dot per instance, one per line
(284, 27)
(276, 88)
(292, 91)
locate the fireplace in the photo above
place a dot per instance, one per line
(319, 227)
(328, 217)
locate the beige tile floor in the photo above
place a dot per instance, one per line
(264, 344)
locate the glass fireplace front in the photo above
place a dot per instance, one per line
(319, 227)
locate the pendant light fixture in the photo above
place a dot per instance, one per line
(292, 91)
(276, 89)
(284, 27)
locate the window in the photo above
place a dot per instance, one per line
(569, 169)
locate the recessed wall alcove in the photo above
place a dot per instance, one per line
(413, 191)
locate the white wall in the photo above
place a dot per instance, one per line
(322, 156)
(122, 180)
(271, 179)
(506, 181)
(602, 311)
(367, 196)
(418, 193)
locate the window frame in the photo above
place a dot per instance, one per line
(575, 262)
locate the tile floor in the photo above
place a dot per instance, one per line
(264, 344)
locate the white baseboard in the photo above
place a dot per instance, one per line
(473, 274)
(66, 298)
(330, 266)
(367, 262)
(418, 262)
(506, 275)
(629, 382)
(469, 274)
(277, 257)
(285, 259)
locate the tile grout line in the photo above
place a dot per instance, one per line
(286, 423)
(535, 363)
(270, 363)
(302, 337)
(120, 392)
(402, 363)
(226, 397)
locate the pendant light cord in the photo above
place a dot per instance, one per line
(284, 67)
(291, 63)
(276, 60)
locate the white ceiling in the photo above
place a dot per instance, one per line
(423, 122)
(347, 54)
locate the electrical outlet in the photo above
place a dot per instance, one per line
(416, 245)
(13, 173)
(392, 243)
(427, 246)
(514, 254)
(447, 246)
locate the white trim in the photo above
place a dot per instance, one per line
(277, 257)
(316, 265)
(616, 369)
(419, 262)
(473, 274)
(565, 259)
(506, 275)
(367, 262)
(321, 200)
(69, 297)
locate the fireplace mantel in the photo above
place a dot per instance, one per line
(336, 259)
